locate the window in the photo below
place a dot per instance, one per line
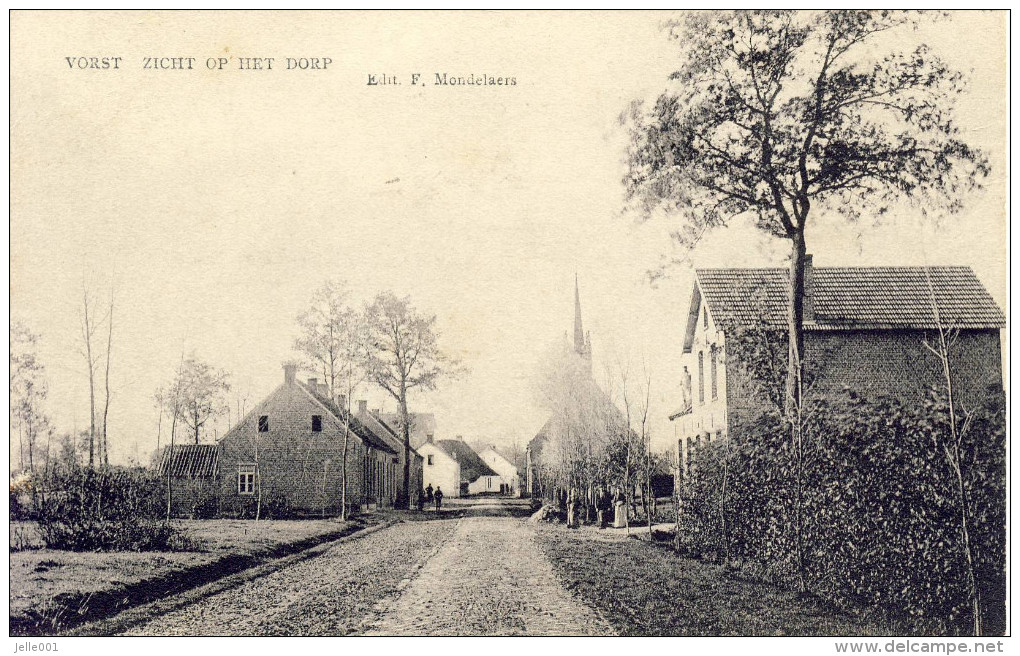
(246, 479)
(714, 374)
(704, 318)
(264, 424)
(701, 376)
(317, 423)
(430, 460)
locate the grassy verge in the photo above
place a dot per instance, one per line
(52, 590)
(642, 588)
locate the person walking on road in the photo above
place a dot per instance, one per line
(438, 496)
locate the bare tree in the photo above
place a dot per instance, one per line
(26, 383)
(89, 325)
(646, 444)
(169, 398)
(950, 446)
(196, 394)
(335, 337)
(405, 357)
(106, 375)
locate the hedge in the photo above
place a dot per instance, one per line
(881, 514)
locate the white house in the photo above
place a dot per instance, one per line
(439, 469)
(509, 481)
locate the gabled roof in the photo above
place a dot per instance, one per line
(375, 423)
(359, 429)
(190, 461)
(848, 298)
(472, 467)
(423, 424)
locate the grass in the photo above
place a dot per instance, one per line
(643, 588)
(49, 587)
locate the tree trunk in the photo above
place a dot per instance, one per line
(169, 469)
(794, 391)
(406, 421)
(106, 401)
(92, 384)
(343, 472)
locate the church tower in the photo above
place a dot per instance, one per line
(582, 340)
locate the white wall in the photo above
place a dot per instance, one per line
(442, 472)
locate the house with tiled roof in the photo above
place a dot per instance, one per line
(290, 451)
(375, 422)
(475, 475)
(865, 329)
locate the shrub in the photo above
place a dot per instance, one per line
(116, 509)
(880, 507)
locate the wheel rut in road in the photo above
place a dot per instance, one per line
(489, 578)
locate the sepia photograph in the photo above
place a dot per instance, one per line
(688, 324)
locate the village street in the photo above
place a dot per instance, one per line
(480, 572)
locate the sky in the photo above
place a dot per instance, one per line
(215, 202)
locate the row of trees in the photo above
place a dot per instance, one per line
(591, 442)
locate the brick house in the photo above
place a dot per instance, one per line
(290, 444)
(374, 421)
(865, 328)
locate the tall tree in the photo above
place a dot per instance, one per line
(321, 338)
(335, 338)
(195, 395)
(106, 382)
(26, 382)
(781, 115)
(405, 357)
(89, 325)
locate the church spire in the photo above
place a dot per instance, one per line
(582, 341)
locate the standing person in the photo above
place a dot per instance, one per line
(421, 500)
(438, 496)
(602, 505)
(573, 508)
(428, 494)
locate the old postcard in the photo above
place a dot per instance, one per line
(510, 324)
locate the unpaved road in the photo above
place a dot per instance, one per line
(480, 574)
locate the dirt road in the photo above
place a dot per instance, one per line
(478, 573)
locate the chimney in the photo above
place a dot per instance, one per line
(313, 384)
(809, 288)
(460, 438)
(289, 373)
(362, 407)
(430, 437)
(341, 400)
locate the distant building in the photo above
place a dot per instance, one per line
(509, 478)
(423, 425)
(440, 469)
(374, 422)
(476, 477)
(865, 329)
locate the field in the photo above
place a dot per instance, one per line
(53, 589)
(642, 588)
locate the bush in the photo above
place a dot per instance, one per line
(880, 508)
(81, 509)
